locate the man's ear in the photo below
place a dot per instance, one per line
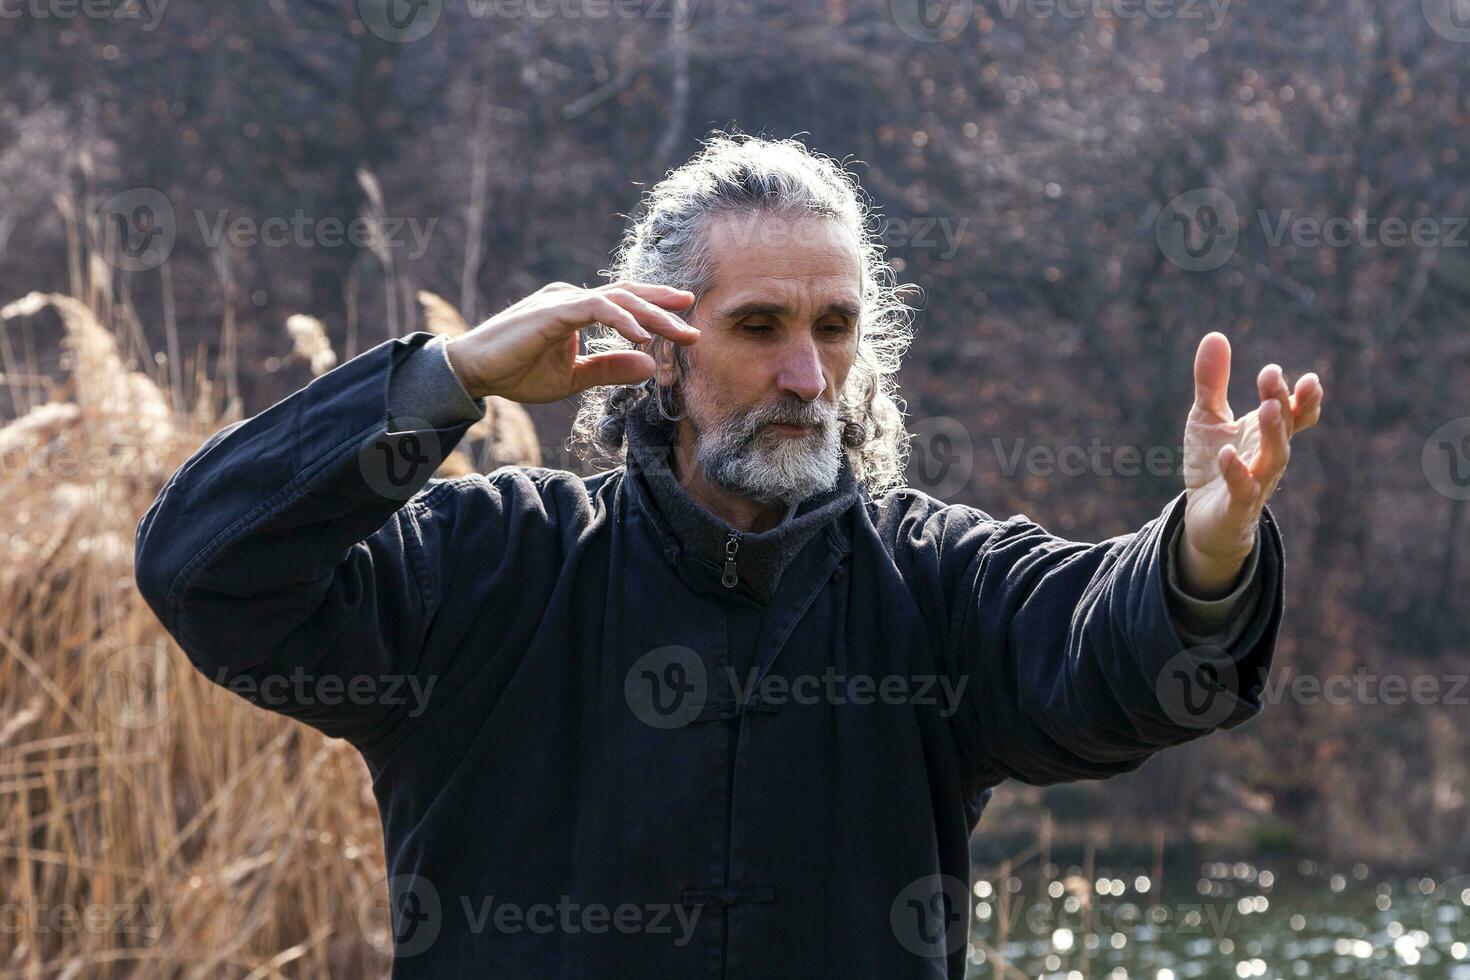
(666, 366)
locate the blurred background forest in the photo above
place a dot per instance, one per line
(1081, 190)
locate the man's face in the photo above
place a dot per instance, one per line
(780, 331)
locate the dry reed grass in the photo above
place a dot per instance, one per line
(151, 824)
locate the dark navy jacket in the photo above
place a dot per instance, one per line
(583, 788)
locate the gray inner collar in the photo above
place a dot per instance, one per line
(696, 531)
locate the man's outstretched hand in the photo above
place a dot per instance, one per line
(1232, 465)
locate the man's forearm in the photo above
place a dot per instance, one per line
(1201, 621)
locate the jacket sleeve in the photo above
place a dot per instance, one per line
(291, 558)
(1073, 663)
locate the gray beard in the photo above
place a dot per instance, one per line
(737, 454)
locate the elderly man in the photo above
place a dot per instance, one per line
(732, 707)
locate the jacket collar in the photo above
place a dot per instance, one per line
(691, 534)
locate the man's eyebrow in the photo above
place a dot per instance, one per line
(768, 308)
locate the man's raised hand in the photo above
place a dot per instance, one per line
(1232, 465)
(531, 351)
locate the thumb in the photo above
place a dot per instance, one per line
(624, 367)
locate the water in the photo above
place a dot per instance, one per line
(1233, 922)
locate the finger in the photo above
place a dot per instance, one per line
(1271, 384)
(665, 296)
(623, 367)
(1212, 374)
(653, 317)
(586, 308)
(1238, 480)
(1306, 402)
(1275, 449)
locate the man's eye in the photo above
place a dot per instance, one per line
(836, 328)
(759, 327)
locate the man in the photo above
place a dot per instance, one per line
(733, 707)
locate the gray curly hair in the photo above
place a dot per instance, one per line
(667, 244)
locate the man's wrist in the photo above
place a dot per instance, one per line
(459, 364)
(1206, 576)
(424, 390)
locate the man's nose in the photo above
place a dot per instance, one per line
(801, 372)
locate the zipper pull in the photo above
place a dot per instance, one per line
(732, 574)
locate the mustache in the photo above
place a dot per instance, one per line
(818, 415)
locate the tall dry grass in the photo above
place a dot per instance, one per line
(152, 824)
